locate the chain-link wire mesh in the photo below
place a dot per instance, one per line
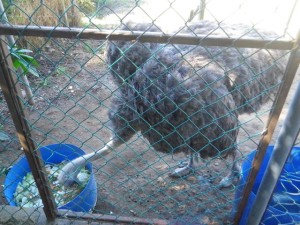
(199, 104)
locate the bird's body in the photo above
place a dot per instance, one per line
(185, 98)
(176, 110)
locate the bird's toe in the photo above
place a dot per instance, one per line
(180, 172)
(225, 182)
(229, 181)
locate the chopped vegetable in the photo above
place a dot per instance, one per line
(27, 195)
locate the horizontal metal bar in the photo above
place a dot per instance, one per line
(155, 37)
(67, 217)
(110, 218)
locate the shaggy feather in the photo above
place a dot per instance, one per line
(185, 98)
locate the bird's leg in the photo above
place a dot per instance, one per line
(69, 172)
(234, 175)
(187, 167)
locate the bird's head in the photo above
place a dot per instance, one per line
(68, 175)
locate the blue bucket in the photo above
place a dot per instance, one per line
(284, 207)
(54, 154)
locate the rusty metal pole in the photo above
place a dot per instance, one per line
(141, 36)
(288, 77)
(12, 96)
(283, 146)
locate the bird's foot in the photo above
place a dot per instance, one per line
(182, 164)
(231, 179)
(181, 171)
(69, 181)
(205, 180)
(225, 182)
(68, 176)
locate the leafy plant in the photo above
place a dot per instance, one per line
(61, 70)
(22, 60)
(88, 48)
(88, 6)
(4, 170)
(44, 82)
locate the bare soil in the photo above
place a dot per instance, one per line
(72, 98)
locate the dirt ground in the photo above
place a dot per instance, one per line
(72, 97)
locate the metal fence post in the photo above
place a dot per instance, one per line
(289, 75)
(281, 152)
(12, 95)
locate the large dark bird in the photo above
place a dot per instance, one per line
(185, 98)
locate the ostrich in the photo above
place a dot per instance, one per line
(186, 98)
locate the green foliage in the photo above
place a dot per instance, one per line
(22, 60)
(88, 48)
(4, 170)
(61, 70)
(6, 3)
(42, 81)
(87, 6)
(91, 6)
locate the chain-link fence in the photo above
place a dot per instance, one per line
(171, 95)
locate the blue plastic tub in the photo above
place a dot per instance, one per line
(54, 154)
(284, 207)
